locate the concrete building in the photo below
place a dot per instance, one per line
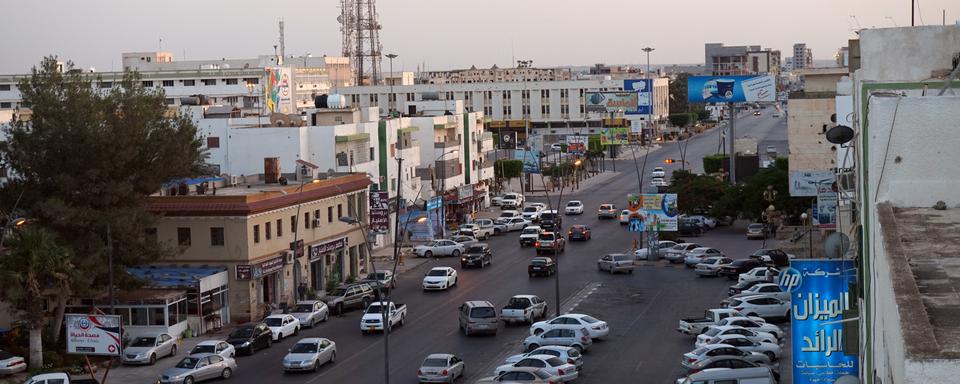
(842, 57)
(720, 60)
(808, 118)
(494, 74)
(802, 56)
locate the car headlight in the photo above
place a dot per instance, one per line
(245, 344)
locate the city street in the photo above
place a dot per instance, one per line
(642, 308)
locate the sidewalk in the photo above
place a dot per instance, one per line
(383, 259)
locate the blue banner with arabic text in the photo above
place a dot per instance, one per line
(820, 292)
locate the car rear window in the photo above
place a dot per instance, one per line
(483, 313)
(547, 236)
(435, 363)
(547, 215)
(589, 319)
(475, 249)
(606, 206)
(735, 302)
(555, 362)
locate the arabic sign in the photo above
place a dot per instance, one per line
(277, 90)
(93, 334)
(379, 211)
(644, 90)
(820, 294)
(619, 135)
(730, 89)
(578, 143)
(434, 203)
(826, 213)
(809, 183)
(269, 266)
(243, 272)
(318, 250)
(606, 102)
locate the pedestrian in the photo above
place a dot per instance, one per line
(302, 291)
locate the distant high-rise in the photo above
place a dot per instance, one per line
(360, 27)
(802, 56)
(720, 60)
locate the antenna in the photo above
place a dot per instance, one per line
(360, 28)
(283, 50)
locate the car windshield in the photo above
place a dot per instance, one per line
(606, 206)
(274, 321)
(241, 333)
(203, 349)
(530, 231)
(437, 272)
(735, 303)
(713, 332)
(530, 209)
(755, 226)
(338, 292)
(483, 313)
(188, 363)
(475, 249)
(435, 363)
(304, 308)
(573, 204)
(144, 342)
(589, 319)
(304, 348)
(699, 351)
(538, 261)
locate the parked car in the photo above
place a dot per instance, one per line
(483, 229)
(772, 350)
(698, 325)
(676, 253)
(711, 266)
(309, 354)
(756, 231)
(765, 274)
(698, 255)
(774, 257)
(282, 326)
(551, 220)
(529, 235)
(550, 242)
(574, 207)
(440, 278)
(692, 358)
(756, 375)
(658, 172)
(754, 324)
(477, 255)
(577, 338)
(541, 266)
(578, 232)
(624, 217)
(508, 214)
(310, 312)
(732, 362)
(440, 368)
(568, 354)
(661, 248)
(734, 269)
(511, 201)
(687, 227)
(595, 328)
(524, 308)
(531, 212)
(249, 338)
(762, 306)
(372, 319)
(496, 201)
(464, 240)
(615, 262)
(58, 378)
(147, 349)
(356, 295)
(752, 335)
(383, 278)
(443, 247)
(218, 347)
(511, 224)
(705, 221)
(556, 147)
(200, 367)
(555, 366)
(761, 289)
(607, 211)
(525, 375)
(478, 316)
(10, 364)
(740, 287)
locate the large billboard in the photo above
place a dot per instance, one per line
(655, 212)
(93, 334)
(278, 90)
(644, 90)
(608, 102)
(731, 89)
(578, 143)
(810, 183)
(618, 135)
(820, 292)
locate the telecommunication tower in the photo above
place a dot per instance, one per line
(360, 26)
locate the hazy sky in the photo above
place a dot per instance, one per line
(443, 33)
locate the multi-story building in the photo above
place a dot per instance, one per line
(802, 56)
(842, 57)
(809, 117)
(720, 60)
(494, 74)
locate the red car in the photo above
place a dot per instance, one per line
(578, 232)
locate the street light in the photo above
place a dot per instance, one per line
(391, 56)
(803, 217)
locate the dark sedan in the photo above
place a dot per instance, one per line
(734, 269)
(249, 338)
(541, 266)
(477, 255)
(578, 232)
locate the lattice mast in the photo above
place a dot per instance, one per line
(360, 27)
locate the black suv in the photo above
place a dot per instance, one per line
(550, 220)
(477, 255)
(356, 295)
(249, 338)
(541, 266)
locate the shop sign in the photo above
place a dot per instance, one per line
(318, 250)
(297, 248)
(269, 266)
(243, 272)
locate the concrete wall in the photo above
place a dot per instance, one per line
(809, 148)
(888, 344)
(907, 53)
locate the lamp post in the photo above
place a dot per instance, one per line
(647, 73)
(296, 225)
(391, 56)
(804, 217)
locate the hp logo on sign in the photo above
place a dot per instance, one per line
(790, 279)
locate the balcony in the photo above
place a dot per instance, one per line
(444, 145)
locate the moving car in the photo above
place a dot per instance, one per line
(249, 338)
(615, 262)
(478, 316)
(757, 113)
(440, 278)
(607, 211)
(356, 295)
(676, 253)
(442, 247)
(511, 201)
(464, 240)
(10, 364)
(146, 349)
(541, 266)
(477, 255)
(218, 347)
(282, 326)
(440, 368)
(511, 224)
(383, 277)
(309, 354)
(624, 217)
(756, 231)
(595, 328)
(551, 220)
(531, 212)
(529, 235)
(659, 182)
(763, 306)
(568, 354)
(372, 319)
(310, 312)
(555, 366)
(658, 172)
(550, 242)
(577, 338)
(711, 265)
(578, 232)
(733, 270)
(692, 358)
(574, 207)
(200, 367)
(698, 255)
(524, 308)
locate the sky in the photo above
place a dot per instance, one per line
(443, 34)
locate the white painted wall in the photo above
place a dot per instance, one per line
(907, 53)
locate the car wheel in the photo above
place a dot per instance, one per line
(316, 366)
(402, 320)
(188, 380)
(173, 350)
(456, 253)
(296, 331)
(226, 374)
(529, 275)
(253, 349)
(533, 346)
(428, 254)
(752, 314)
(153, 358)
(333, 357)
(280, 336)
(339, 308)
(578, 348)
(770, 355)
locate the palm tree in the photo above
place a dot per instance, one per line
(32, 268)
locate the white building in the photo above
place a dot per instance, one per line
(802, 56)
(494, 74)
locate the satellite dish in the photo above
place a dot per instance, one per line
(840, 134)
(836, 245)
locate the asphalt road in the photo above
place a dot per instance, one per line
(642, 308)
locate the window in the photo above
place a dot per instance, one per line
(371, 154)
(106, 84)
(339, 210)
(230, 81)
(5, 105)
(330, 214)
(293, 224)
(213, 142)
(279, 227)
(410, 97)
(169, 101)
(148, 84)
(316, 215)
(167, 83)
(268, 230)
(216, 236)
(256, 233)
(183, 237)
(545, 109)
(252, 80)
(4, 87)
(209, 81)
(306, 220)
(189, 83)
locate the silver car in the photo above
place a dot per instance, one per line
(199, 367)
(575, 338)
(711, 265)
(222, 348)
(440, 368)
(616, 262)
(309, 354)
(310, 312)
(147, 349)
(676, 253)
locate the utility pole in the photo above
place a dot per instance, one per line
(650, 91)
(391, 56)
(385, 302)
(913, 8)
(731, 140)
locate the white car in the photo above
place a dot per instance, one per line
(762, 289)
(714, 331)
(443, 247)
(676, 253)
(659, 182)
(763, 306)
(440, 368)
(282, 326)
(662, 246)
(440, 278)
(772, 350)
(574, 207)
(690, 359)
(218, 347)
(711, 265)
(766, 274)
(518, 375)
(568, 354)
(531, 212)
(10, 364)
(555, 366)
(753, 324)
(309, 354)
(511, 200)
(509, 214)
(705, 221)
(557, 147)
(698, 255)
(310, 312)
(529, 235)
(511, 224)
(624, 217)
(465, 240)
(596, 328)
(658, 172)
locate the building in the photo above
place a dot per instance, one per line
(809, 117)
(493, 74)
(271, 238)
(788, 64)
(720, 60)
(802, 56)
(842, 57)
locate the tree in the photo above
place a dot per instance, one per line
(87, 158)
(34, 267)
(507, 169)
(679, 119)
(678, 94)
(696, 193)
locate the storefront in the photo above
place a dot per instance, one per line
(269, 281)
(464, 203)
(327, 264)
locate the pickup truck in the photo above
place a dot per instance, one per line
(698, 325)
(372, 319)
(58, 378)
(483, 229)
(524, 308)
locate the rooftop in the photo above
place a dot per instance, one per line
(173, 276)
(925, 242)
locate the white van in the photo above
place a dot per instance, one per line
(758, 375)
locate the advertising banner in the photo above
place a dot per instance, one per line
(653, 212)
(826, 213)
(270, 266)
(508, 140)
(644, 90)
(379, 211)
(93, 334)
(619, 135)
(531, 160)
(244, 272)
(578, 143)
(820, 291)
(607, 102)
(417, 225)
(731, 89)
(277, 90)
(809, 183)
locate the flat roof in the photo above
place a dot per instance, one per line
(925, 242)
(173, 276)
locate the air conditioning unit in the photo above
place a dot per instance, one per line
(847, 181)
(316, 223)
(288, 257)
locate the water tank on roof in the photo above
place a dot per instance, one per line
(336, 101)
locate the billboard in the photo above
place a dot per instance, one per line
(731, 89)
(826, 212)
(578, 143)
(809, 183)
(644, 90)
(653, 212)
(531, 160)
(617, 135)
(278, 90)
(379, 211)
(508, 140)
(93, 334)
(607, 102)
(820, 292)
(417, 225)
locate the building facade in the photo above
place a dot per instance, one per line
(802, 56)
(494, 75)
(720, 60)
